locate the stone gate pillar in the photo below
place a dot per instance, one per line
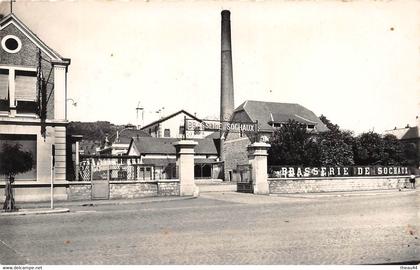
(185, 163)
(257, 155)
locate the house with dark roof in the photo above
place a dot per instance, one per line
(408, 135)
(33, 92)
(269, 116)
(118, 143)
(173, 126)
(161, 154)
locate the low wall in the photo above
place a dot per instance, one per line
(77, 191)
(126, 189)
(336, 184)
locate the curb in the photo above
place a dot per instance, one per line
(36, 211)
(119, 202)
(105, 202)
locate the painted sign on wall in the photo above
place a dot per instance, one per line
(216, 125)
(300, 171)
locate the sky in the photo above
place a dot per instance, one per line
(357, 62)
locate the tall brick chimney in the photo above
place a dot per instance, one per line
(226, 79)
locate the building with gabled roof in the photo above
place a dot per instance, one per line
(409, 135)
(274, 114)
(33, 113)
(173, 126)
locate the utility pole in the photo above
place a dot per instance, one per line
(52, 174)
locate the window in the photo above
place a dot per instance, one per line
(21, 86)
(181, 130)
(202, 171)
(28, 143)
(311, 126)
(4, 89)
(167, 133)
(11, 44)
(25, 86)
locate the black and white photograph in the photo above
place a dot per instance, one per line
(209, 133)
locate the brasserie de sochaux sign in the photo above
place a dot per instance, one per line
(294, 171)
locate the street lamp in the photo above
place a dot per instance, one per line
(74, 103)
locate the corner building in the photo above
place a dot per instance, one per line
(33, 92)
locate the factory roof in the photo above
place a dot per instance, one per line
(267, 113)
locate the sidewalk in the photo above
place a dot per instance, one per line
(345, 193)
(34, 211)
(36, 208)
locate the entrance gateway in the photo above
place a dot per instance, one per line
(224, 127)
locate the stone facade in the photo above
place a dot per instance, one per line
(126, 190)
(314, 185)
(168, 188)
(79, 192)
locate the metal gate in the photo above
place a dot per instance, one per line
(100, 182)
(243, 176)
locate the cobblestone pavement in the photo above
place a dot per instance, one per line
(221, 228)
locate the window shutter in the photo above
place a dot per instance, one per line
(4, 86)
(25, 87)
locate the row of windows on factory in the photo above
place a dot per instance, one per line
(18, 90)
(279, 125)
(167, 131)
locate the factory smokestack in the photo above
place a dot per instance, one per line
(226, 79)
(226, 82)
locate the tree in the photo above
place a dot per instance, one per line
(410, 154)
(393, 152)
(371, 148)
(327, 122)
(368, 149)
(12, 162)
(336, 148)
(288, 144)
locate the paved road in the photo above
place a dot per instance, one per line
(221, 228)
